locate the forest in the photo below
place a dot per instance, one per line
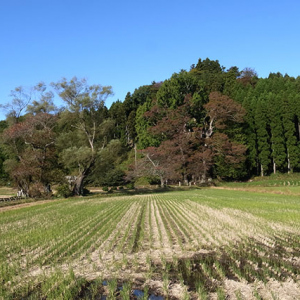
(206, 123)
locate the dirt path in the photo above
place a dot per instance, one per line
(21, 205)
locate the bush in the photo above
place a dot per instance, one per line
(105, 189)
(153, 180)
(130, 186)
(114, 177)
(147, 180)
(38, 191)
(63, 191)
(35, 190)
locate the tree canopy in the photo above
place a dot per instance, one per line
(208, 122)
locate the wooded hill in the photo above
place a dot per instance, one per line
(208, 122)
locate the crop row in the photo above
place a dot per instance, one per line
(174, 237)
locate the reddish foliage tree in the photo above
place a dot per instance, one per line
(222, 111)
(188, 150)
(200, 163)
(31, 147)
(177, 141)
(156, 162)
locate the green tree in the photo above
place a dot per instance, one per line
(108, 164)
(230, 81)
(263, 138)
(174, 90)
(277, 133)
(288, 119)
(86, 131)
(141, 97)
(252, 162)
(14, 109)
(117, 113)
(42, 100)
(210, 73)
(146, 116)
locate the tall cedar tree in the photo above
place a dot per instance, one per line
(292, 148)
(277, 134)
(263, 138)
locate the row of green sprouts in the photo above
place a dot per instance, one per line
(200, 276)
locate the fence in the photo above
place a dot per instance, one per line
(14, 198)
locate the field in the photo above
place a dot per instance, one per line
(287, 184)
(7, 192)
(193, 244)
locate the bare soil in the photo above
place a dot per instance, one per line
(21, 205)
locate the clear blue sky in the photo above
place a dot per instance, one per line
(130, 43)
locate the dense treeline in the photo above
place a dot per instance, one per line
(199, 124)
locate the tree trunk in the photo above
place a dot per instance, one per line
(274, 167)
(185, 180)
(161, 181)
(78, 185)
(135, 158)
(47, 188)
(203, 177)
(261, 170)
(288, 162)
(274, 163)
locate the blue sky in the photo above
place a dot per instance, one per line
(127, 44)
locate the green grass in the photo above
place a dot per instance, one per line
(272, 207)
(7, 191)
(285, 184)
(274, 180)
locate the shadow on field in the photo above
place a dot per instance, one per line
(144, 190)
(201, 274)
(204, 273)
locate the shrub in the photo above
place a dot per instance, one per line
(64, 191)
(35, 190)
(130, 186)
(148, 180)
(38, 190)
(114, 177)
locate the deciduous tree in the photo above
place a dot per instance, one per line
(30, 144)
(85, 126)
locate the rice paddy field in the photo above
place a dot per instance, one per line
(193, 244)
(7, 192)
